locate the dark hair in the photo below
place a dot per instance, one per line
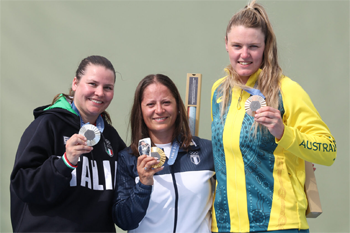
(95, 60)
(139, 129)
(91, 60)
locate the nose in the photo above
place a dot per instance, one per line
(99, 91)
(245, 53)
(159, 108)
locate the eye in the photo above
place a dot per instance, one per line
(166, 103)
(93, 84)
(236, 46)
(150, 104)
(109, 88)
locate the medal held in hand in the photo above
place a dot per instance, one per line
(159, 154)
(146, 149)
(253, 103)
(91, 133)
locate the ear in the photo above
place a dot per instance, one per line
(75, 83)
(226, 46)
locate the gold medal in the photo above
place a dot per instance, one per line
(253, 103)
(159, 155)
(91, 133)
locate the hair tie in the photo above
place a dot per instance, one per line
(251, 4)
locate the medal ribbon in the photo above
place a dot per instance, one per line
(99, 122)
(173, 153)
(254, 91)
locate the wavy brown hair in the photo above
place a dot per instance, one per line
(138, 127)
(91, 60)
(254, 16)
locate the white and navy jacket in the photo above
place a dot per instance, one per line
(180, 199)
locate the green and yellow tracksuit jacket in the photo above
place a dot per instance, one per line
(260, 180)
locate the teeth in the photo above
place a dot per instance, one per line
(96, 101)
(245, 63)
(160, 119)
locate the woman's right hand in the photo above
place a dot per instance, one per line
(76, 146)
(145, 170)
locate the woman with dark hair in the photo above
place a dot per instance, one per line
(264, 128)
(63, 178)
(175, 197)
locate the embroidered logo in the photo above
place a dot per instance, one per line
(108, 147)
(65, 139)
(195, 159)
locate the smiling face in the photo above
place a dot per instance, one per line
(159, 111)
(245, 47)
(93, 92)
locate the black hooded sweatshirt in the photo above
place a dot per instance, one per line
(47, 195)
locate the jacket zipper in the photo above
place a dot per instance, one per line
(176, 197)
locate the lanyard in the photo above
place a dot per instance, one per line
(174, 151)
(254, 91)
(99, 122)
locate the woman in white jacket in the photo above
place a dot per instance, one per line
(176, 197)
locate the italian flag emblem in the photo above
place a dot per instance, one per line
(109, 152)
(108, 148)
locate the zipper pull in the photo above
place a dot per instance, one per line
(239, 100)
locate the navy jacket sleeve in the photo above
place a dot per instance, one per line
(39, 175)
(131, 198)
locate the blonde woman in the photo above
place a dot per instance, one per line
(264, 128)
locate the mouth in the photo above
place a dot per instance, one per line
(160, 119)
(245, 62)
(96, 101)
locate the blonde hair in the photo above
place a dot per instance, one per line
(254, 16)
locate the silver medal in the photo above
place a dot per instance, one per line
(91, 133)
(253, 103)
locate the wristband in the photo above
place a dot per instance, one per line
(66, 161)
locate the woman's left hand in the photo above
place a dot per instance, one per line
(271, 119)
